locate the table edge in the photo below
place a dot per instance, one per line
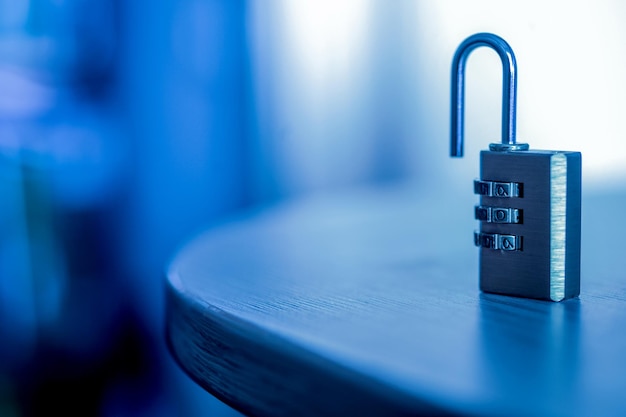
(232, 359)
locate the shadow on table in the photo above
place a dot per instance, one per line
(531, 352)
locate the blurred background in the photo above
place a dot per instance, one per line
(126, 127)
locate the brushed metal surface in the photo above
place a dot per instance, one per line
(558, 219)
(548, 264)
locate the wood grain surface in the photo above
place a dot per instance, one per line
(367, 303)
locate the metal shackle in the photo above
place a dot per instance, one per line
(509, 93)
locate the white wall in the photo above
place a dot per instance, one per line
(571, 58)
(359, 90)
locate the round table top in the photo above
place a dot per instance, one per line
(367, 303)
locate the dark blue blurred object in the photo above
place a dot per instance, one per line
(120, 134)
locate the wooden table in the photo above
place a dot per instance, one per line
(367, 304)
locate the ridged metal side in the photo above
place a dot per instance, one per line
(558, 200)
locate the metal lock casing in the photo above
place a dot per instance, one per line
(530, 200)
(529, 215)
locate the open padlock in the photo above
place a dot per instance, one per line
(530, 200)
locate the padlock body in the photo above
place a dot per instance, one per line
(530, 213)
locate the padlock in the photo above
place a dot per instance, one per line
(530, 200)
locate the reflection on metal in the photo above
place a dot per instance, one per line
(497, 189)
(509, 92)
(497, 241)
(498, 214)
